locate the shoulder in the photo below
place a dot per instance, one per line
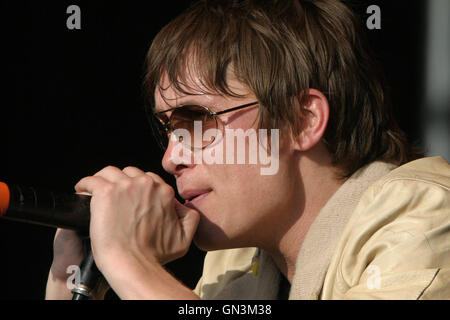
(420, 188)
(418, 191)
(434, 171)
(401, 229)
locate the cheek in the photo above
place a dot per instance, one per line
(245, 183)
(244, 203)
(244, 192)
(230, 180)
(239, 204)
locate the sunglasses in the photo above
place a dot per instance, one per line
(184, 117)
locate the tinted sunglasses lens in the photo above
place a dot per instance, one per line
(186, 117)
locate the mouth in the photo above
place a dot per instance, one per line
(194, 196)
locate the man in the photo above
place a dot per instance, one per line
(342, 213)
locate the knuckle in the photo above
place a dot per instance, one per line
(146, 180)
(125, 184)
(84, 180)
(129, 168)
(168, 192)
(108, 189)
(105, 169)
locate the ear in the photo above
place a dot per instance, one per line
(314, 122)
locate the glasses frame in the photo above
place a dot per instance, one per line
(168, 128)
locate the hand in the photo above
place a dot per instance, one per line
(135, 216)
(67, 251)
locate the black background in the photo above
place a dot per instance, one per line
(71, 104)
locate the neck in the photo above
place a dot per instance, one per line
(318, 184)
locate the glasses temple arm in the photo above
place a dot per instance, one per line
(234, 109)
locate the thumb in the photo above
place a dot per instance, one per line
(189, 219)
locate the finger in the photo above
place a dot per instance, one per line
(111, 174)
(189, 219)
(84, 193)
(156, 178)
(181, 209)
(65, 234)
(91, 184)
(66, 242)
(133, 172)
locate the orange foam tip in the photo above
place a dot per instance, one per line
(4, 198)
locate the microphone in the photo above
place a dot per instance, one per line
(58, 210)
(44, 207)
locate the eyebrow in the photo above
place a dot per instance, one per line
(186, 100)
(211, 108)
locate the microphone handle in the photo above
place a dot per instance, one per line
(49, 208)
(90, 275)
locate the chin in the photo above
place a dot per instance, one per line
(210, 236)
(208, 240)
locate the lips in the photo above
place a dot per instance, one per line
(191, 196)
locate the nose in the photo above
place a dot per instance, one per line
(177, 158)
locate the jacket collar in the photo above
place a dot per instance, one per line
(326, 230)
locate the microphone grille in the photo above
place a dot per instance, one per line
(4, 198)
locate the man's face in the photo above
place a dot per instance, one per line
(238, 205)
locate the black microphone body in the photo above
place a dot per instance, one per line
(58, 210)
(48, 208)
(89, 277)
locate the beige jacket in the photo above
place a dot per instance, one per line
(385, 234)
